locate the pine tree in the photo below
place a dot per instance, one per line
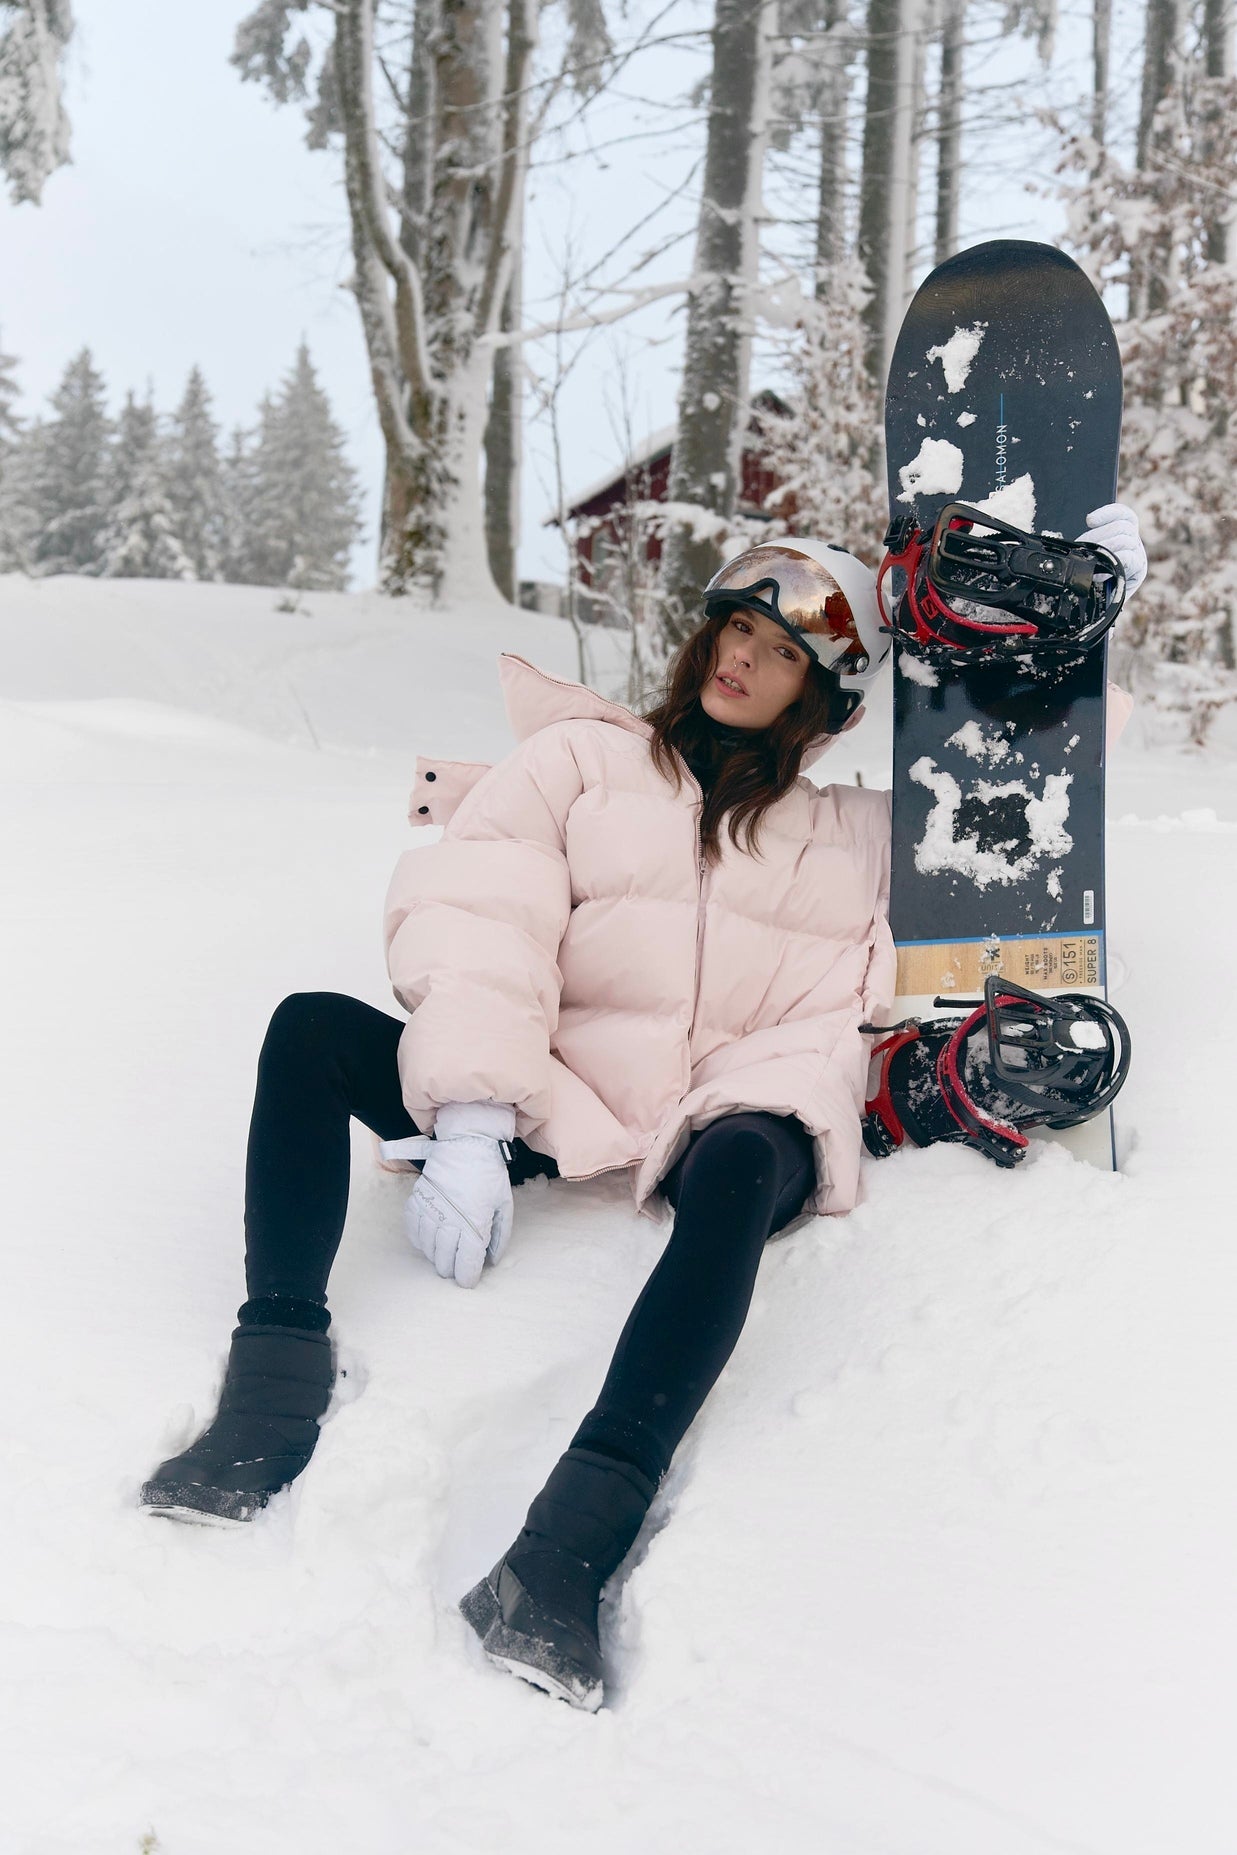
(140, 540)
(303, 513)
(10, 393)
(69, 487)
(265, 547)
(194, 479)
(12, 515)
(237, 480)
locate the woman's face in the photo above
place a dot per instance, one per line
(758, 672)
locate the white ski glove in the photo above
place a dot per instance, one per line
(1115, 527)
(460, 1210)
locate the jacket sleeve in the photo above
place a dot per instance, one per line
(473, 926)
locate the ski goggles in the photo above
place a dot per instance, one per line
(974, 589)
(802, 597)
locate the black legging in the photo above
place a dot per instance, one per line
(328, 1058)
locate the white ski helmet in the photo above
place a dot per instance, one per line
(819, 593)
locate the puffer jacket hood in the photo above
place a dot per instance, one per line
(564, 947)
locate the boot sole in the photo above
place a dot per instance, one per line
(201, 1505)
(518, 1654)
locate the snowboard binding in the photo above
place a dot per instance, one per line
(1016, 1061)
(968, 597)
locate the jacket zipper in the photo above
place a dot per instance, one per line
(701, 872)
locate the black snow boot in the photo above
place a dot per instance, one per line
(277, 1386)
(536, 1613)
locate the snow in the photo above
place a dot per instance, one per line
(941, 848)
(936, 470)
(918, 670)
(1013, 503)
(957, 355)
(971, 738)
(701, 522)
(965, 418)
(945, 1564)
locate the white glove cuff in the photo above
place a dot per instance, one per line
(493, 1119)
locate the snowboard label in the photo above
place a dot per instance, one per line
(1004, 393)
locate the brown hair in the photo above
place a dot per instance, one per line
(752, 777)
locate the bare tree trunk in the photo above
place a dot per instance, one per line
(418, 165)
(418, 138)
(1101, 50)
(1218, 47)
(503, 427)
(887, 130)
(949, 130)
(1161, 58)
(502, 450)
(831, 195)
(1162, 37)
(713, 399)
(918, 113)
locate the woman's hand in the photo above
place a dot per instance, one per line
(460, 1210)
(1115, 527)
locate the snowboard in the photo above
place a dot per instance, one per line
(1005, 393)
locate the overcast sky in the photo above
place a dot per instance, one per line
(195, 227)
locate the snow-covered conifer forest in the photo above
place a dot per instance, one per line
(345, 344)
(150, 496)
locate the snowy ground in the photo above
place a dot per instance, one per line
(949, 1561)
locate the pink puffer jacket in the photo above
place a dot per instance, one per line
(564, 947)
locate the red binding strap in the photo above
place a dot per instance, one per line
(1000, 1139)
(925, 605)
(881, 1104)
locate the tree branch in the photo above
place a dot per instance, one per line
(586, 320)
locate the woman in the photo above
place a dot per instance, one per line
(640, 943)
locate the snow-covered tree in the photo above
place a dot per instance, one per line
(434, 106)
(14, 515)
(194, 480)
(826, 451)
(237, 478)
(446, 101)
(1148, 228)
(70, 470)
(713, 396)
(34, 130)
(140, 541)
(10, 393)
(300, 510)
(262, 549)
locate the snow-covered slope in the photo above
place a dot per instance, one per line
(946, 1564)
